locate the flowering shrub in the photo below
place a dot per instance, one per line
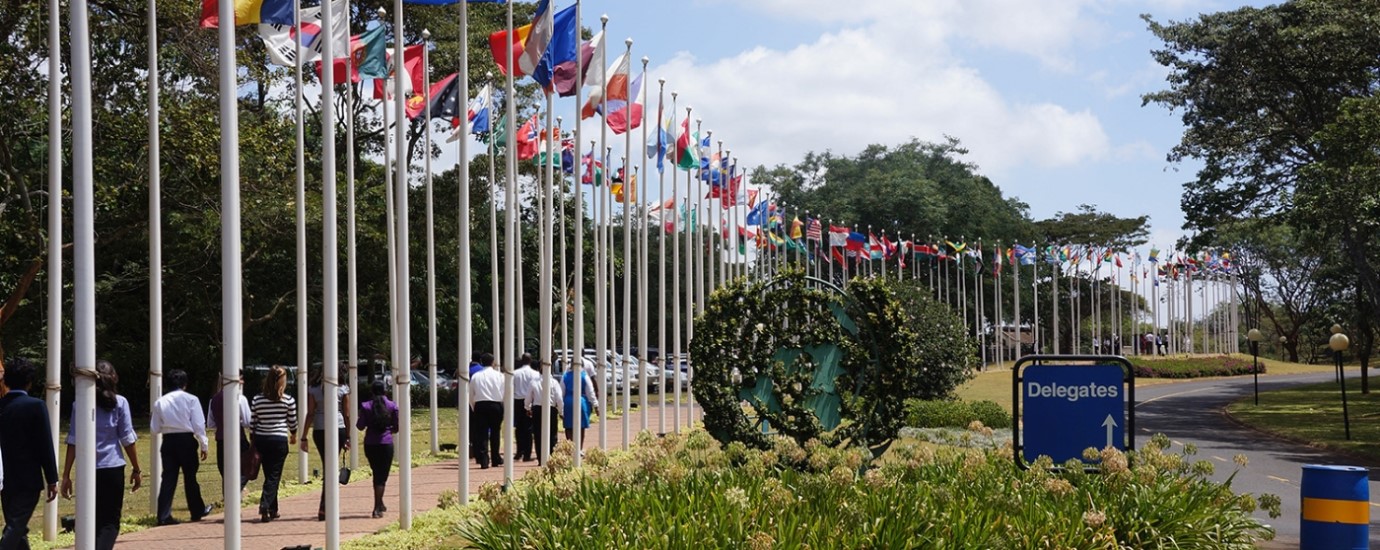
(688, 491)
(1194, 367)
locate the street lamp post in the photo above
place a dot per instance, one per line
(1254, 337)
(1339, 342)
(1283, 353)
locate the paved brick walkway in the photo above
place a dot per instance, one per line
(298, 524)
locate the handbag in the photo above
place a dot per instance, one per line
(344, 475)
(250, 463)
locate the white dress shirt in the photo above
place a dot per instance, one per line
(486, 385)
(523, 380)
(179, 412)
(554, 398)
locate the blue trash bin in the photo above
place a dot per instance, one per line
(1334, 508)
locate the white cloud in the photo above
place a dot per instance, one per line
(883, 81)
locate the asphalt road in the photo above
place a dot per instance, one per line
(1193, 412)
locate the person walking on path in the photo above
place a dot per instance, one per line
(572, 410)
(27, 445)
(486, 402)
(274, 428)
(551, 404)
(114, 431)
(316, 423)
(378, 417)
(215, 420)
(523, 380)
(178, 416)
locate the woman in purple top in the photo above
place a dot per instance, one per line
(114, 431)
(379, 419)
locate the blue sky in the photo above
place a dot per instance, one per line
(1045, 93)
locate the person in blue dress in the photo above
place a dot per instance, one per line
(114, 433)
(588, 402)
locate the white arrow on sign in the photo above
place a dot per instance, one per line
(1110, 424)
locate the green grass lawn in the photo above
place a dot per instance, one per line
(139, 515)
(1313, 414)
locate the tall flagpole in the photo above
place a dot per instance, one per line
(84, 269)
(575, 360)
(402, 347)
(53, 396)
(601, 251)
(464, 304)
(155, 281)
(643, 354)
(330, 281)
(675, 273)
(1016, 305)
(430, 246)
(351, 259)
(692, 262)
(996, 289)
(495, 328)
(511, 267)
(544, 302)
(627, 256)
(299, 122)
(661, 266)
(1054, 286)
(232, 332)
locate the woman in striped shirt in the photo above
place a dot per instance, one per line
(274, 428)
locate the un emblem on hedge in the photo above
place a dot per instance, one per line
(801, 357)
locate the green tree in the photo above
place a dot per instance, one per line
(1277, 103)
(918, 188)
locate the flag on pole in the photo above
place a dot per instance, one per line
(614, 87)
(281, 39)
(412, 73)
(562, 47)
(527, 139)
(623, 112)
(813, 230)
(249, 12)
(618, 185)
(564, 74)
(797, 228)
(372, 59)
(838, 236)
(445, 100)
(758, 214)
(857, 242)
(657, 142)
(685, 155)
(593, 170)
(529, 43)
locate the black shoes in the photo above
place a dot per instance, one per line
(204, 513)
(167, 521)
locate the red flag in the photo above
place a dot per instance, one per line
(527, 139)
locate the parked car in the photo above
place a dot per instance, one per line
(677, 367)
(446, 382)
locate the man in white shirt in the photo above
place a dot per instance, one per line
(552, 405)
(523, 379)
(179, 417)
(486, 405)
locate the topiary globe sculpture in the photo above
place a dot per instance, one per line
(801, 357)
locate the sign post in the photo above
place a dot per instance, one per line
(1071, 403)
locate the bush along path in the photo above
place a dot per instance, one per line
(688, 491)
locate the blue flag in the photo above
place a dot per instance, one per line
(565, 42)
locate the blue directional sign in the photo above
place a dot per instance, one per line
(1068, 408)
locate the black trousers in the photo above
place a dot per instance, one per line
(273, 450)
(110, 501)
(523, 425)
(318, 437)
(555, 422)
(488, 419)
(220, 456)
(19, 509)
(179, 453)
(380, 459)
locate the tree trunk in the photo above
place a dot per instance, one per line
(11, 304)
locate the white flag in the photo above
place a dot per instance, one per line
(281, 43)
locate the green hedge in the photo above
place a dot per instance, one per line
(955, 414)
(1194, 367)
